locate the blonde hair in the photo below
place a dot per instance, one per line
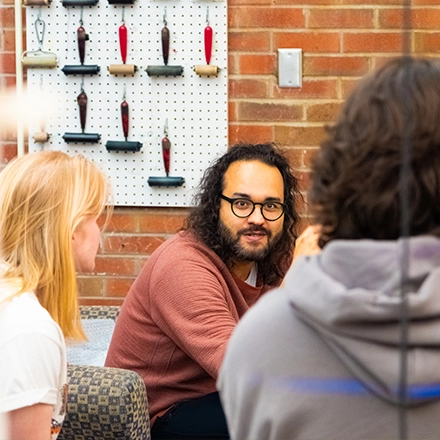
(44, 197)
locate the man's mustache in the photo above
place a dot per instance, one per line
(254, 228)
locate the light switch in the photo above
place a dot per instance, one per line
(290, 67)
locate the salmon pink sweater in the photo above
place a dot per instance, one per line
(177, 319)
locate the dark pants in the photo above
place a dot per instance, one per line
(201, 418)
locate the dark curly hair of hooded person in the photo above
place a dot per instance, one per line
(355, 177)
(204, 218)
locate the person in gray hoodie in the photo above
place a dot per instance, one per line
(338, 351)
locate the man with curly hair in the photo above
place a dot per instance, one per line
(349, 348)
(182, 309)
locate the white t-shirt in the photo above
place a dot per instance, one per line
(252, 278)
(33, 366)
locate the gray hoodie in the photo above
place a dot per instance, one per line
(320, 357)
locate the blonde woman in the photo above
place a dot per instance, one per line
(49, 206)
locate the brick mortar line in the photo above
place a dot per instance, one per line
(289, 101)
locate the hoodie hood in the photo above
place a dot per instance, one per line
(350, 295)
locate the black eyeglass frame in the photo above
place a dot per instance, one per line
(232, 201)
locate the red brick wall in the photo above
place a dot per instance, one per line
(8, 148)
(341, 40)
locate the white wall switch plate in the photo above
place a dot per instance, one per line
(290, 67)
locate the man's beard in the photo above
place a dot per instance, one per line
(234, 251)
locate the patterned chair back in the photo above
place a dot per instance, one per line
(105, 403)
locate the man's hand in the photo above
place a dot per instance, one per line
(307, 242)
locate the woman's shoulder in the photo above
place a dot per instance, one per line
(23, 314)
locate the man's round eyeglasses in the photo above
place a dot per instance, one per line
(243, 208)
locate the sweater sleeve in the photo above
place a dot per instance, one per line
(191, 303)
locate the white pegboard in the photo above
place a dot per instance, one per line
(196, 107)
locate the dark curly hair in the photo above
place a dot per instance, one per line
(355, 177)
(204, 218)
